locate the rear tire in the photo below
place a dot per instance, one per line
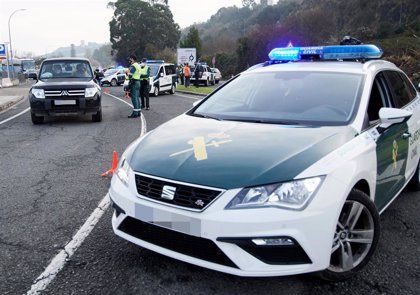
(217, 81)
(414, 183)
(37, 119)
(156, 91)
(97, 117)
(356, 237)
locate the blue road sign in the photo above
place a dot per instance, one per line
(2, 49)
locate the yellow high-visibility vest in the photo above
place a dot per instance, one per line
(143, 72)
(136, 74)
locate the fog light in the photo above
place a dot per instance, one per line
(273, 242)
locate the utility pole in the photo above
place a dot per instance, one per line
(10, 42)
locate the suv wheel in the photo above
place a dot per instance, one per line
(217, 81)
(37, 119)
(156, 91)
(206, 83)
(355, 238)
(114, 83)
(414, 183)
(173, 89)
(97, 117)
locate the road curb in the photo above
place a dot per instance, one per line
(190, 92)
(11, 103)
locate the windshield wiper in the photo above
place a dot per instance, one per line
(206, 116)
(264, 121)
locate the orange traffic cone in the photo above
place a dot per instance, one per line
(114, 165)
(106, 91)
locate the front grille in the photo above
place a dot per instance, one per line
(65, 92)
(185, 196)
(200, 248)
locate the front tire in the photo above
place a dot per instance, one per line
(97, 117)
(355, 239)
(37, 119)
(173, 89)
(206, 83)
(414, 183)
(156, 91)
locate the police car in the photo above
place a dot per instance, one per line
(283, 170)
(205, 75)
(113, 77)
(163, 77)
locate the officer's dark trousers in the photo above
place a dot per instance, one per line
(144, 93)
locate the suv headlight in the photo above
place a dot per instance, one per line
(38, 93)
(123, 171)
(91, 91)
(293, 195)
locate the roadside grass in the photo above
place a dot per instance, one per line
(192, 88)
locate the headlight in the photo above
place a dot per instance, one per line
(91, 91)
(38, 93)
(293, 195)
(123, 171)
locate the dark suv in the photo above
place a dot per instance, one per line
(65, 86)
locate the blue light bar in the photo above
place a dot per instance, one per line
(326, 52)
(157, 61)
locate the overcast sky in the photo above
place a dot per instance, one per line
(49, 24)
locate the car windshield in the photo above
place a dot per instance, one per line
(110, 72)
(59, 69)
(154, 70)
(313, 98)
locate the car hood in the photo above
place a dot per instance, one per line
(67, 83)
(227, 154)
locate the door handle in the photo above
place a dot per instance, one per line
(406, 135)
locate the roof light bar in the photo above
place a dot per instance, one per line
(367, 51)
(157, 61)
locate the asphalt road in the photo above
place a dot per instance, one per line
(50, 185)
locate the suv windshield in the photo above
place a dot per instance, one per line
(154, 70)
(59, 69)
(315, 98)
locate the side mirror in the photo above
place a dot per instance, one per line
(391, 116)
(161, 74)
(196, 102)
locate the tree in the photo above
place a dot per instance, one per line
(192, 40)
(137, 24)
(249, 3)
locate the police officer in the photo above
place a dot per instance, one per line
(134, 76)
(144, 84)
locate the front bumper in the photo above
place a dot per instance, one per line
(48, 107)
(213, 231)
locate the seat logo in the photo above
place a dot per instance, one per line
(64, 93)
(168, 192)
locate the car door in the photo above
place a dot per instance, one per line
(391, 149)
(405, 96)
(168, 77)
(120, 76)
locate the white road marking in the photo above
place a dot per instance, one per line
(187, 96)
(15, 116)
(58, 262)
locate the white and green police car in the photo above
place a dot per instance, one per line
(283, 170)
(163, 77)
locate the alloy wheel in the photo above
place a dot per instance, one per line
(353, 237)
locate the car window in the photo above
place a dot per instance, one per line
(56, 69)
(314, 97)
(161, 71)
(401, 95)
(170, 70)
(377, 100)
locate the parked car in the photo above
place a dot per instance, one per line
(113, 77)
(206, 75)
(65, 86)
(217, 75)
(163, 77)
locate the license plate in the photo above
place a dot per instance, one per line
(64, 102)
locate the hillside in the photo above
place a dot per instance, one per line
(240, 37)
